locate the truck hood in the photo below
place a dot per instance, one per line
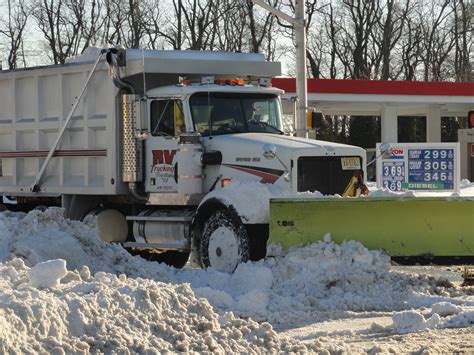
(243, 159)
(286, 145)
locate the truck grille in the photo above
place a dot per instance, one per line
(323, 174)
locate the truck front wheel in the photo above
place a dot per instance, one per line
(224, 242)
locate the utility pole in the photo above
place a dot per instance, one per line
(299, 26)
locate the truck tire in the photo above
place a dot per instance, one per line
(173, 258)
(224, 242)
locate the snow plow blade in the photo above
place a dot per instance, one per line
(417, 226)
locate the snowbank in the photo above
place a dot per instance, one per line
(412, 321)
(251, 199)
(111, 300)
(443, 315)
(110, 313)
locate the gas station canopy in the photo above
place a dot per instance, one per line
(387, 99)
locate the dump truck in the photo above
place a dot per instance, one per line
(146, 141)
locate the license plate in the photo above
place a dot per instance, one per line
(352, 163)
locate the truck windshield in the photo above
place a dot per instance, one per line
(225, 113)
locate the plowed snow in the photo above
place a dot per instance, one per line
(110, 300)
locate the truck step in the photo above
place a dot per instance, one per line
(165, 216)
(178, 245)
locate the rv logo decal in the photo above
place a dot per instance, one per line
(162, 156)
(163, 167)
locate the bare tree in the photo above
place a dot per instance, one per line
(387, 33)
(437, 37)
(331, 33)
(61, 23)
(233, 30)
(359, 39)
(463, 32)
(93, 22)
(193, 24)
(124, 22)
(349, 26)
(260, 28)
(314, 43)
(200, 18)
(13, 30)
(153, 23)
(363, 17)
(174, 34)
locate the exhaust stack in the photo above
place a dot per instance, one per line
(132, 148)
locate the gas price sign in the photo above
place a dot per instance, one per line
(418, 166)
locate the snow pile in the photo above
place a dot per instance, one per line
(90, 54)
(329, 278)
(463, 319)
(41, 236)
(251, 199)
(155, 305)
(246, 291)
(454, 316)
(110, 313)
(466, 184)
(384, 192)
(442, 315)
(315, 282)
(47, 274)
(413, 321)
(326, 277)
(445, 309)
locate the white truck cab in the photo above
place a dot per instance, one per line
(210, 111)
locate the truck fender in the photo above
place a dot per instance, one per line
(258, 232)
(250, 201)
(205, 210)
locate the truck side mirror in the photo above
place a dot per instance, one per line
(470, 119)
(269, 151)
(141, 108)
(312, 119)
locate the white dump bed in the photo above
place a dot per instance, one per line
(34, 104)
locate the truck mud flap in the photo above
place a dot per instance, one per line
(415, 226)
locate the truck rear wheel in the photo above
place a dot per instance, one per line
(224, 242)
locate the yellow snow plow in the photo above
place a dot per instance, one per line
(406, 227)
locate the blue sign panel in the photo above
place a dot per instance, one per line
(418, 166)
(393, 175)
(430, 169)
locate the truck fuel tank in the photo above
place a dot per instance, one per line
(162, 227)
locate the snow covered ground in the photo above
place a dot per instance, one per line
(64, 290)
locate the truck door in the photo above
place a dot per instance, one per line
(166, 124)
